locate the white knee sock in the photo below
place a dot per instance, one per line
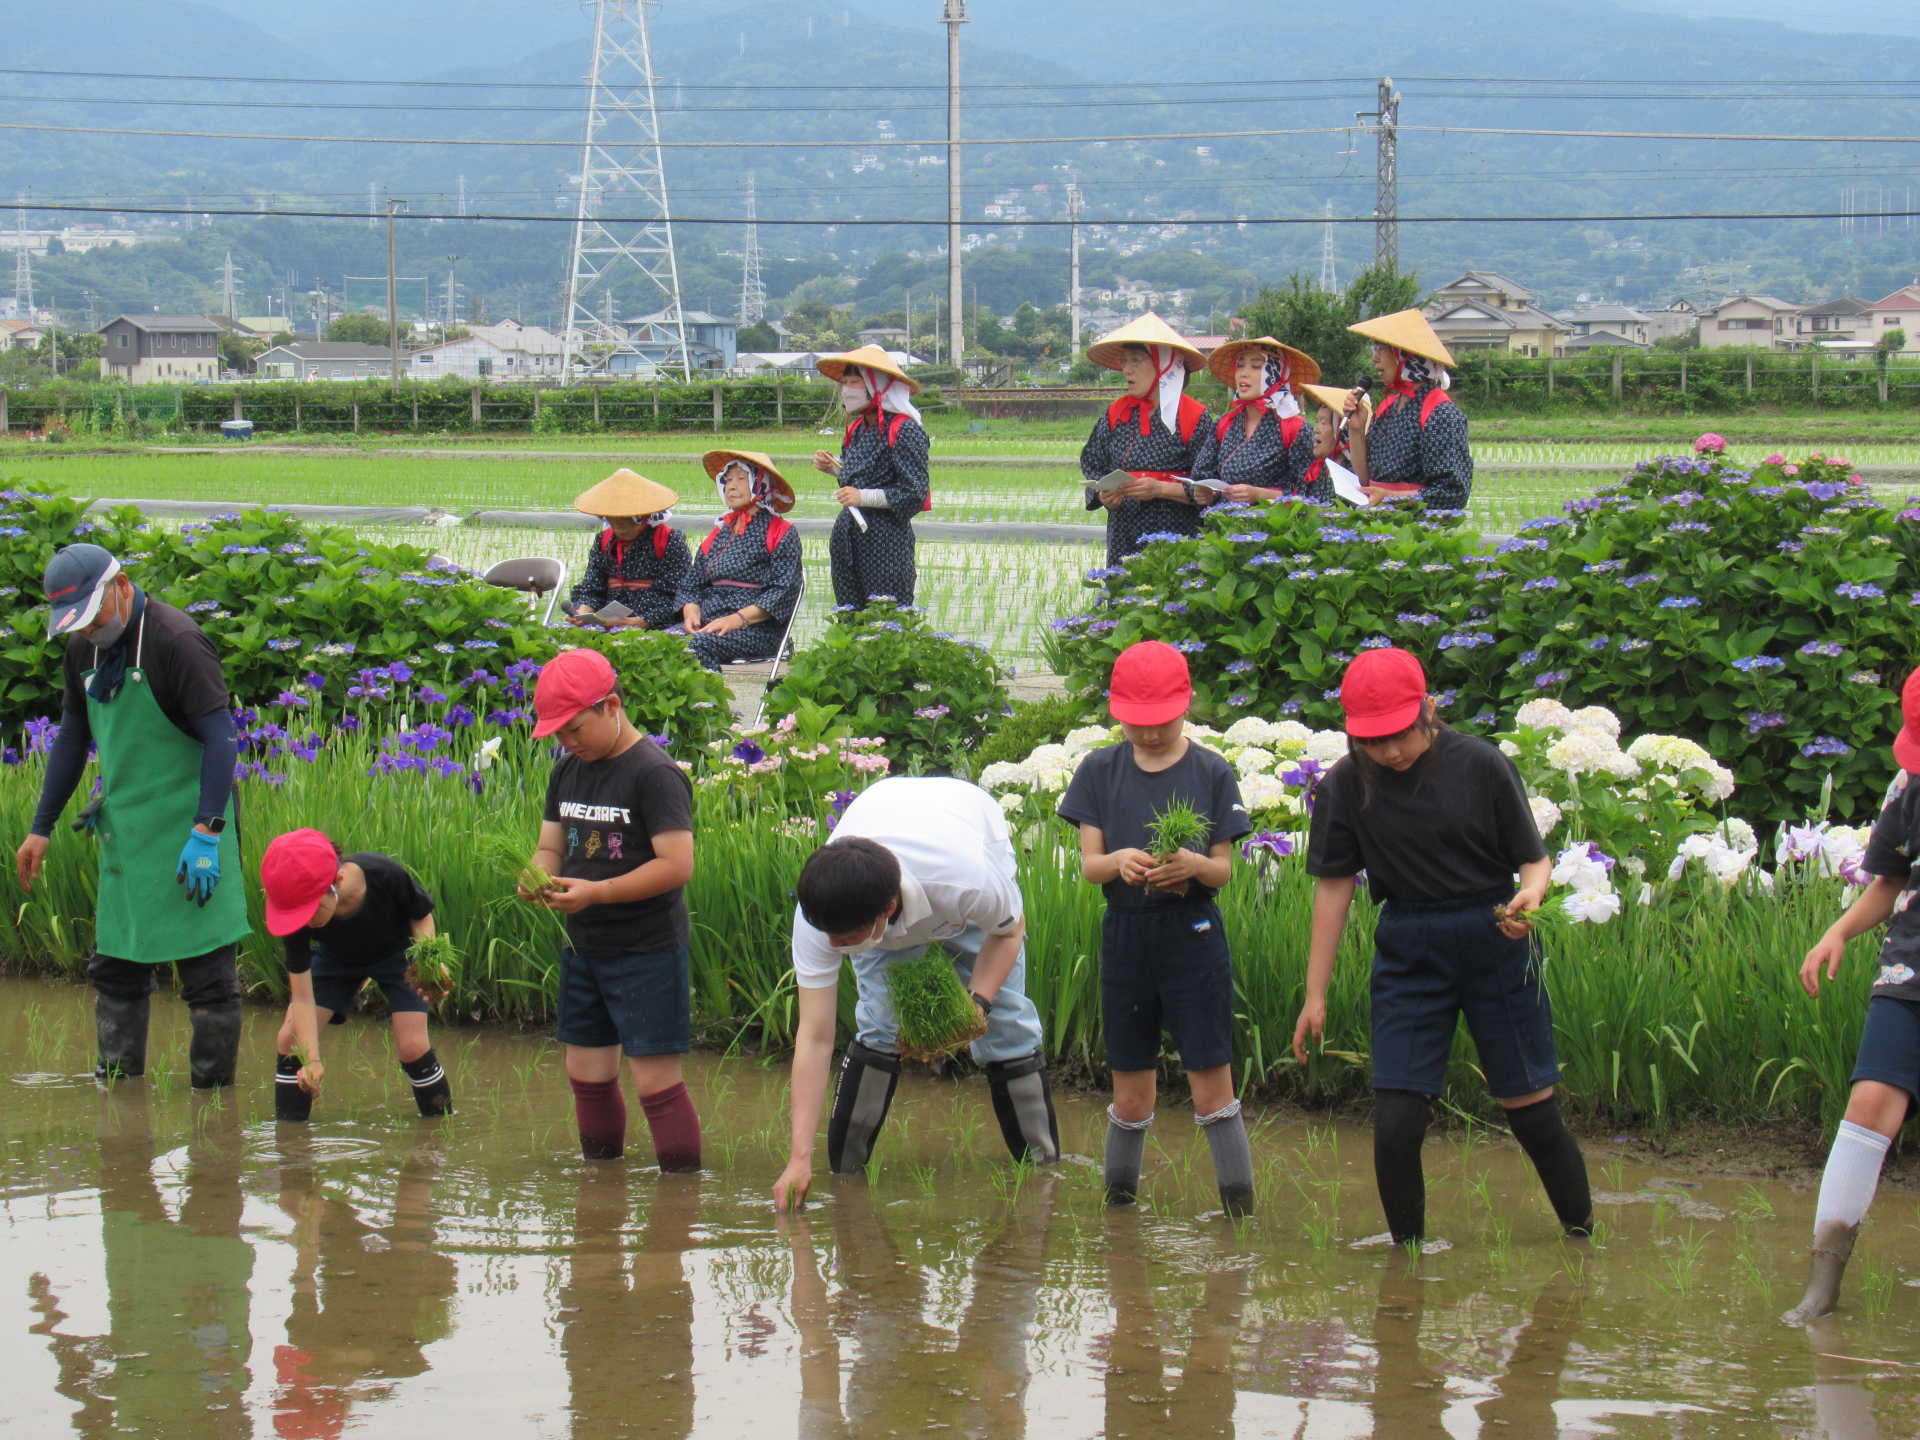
(1851, 1176)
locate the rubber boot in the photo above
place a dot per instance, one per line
(432, 1095)
(868, 1079)
(214, 1054)
(121, 1028)
(1023, 1104)
(291, 1103)
(1832, 1246)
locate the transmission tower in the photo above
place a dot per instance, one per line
(373, 203)
(1386, 193)
(228, 289)
(621, 158)
(1329, 281)
(22, 264)
(1073, 276)
(753, 294)
(463, 197)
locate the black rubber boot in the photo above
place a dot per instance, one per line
(431, 1092)
(214, 1054)
(121, 1028)
(290, 1102)
(860, 1103)
(1832, 1248)
(1023, 1104)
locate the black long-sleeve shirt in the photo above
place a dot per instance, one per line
(639, 577)
(735, 570)
(1434, 456)
(1260, 459)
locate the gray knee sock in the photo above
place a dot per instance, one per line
(1126, 1153)
(1226, 1136)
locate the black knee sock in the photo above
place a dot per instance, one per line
(430, 1089)
(290, 1101)
(1399, 1128)
(1542, 1132)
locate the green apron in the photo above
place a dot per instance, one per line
(152, 792)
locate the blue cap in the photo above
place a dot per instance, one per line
(76, 582)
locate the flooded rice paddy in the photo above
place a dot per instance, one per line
(177, 1268)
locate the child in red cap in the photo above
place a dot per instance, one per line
(346, 922)
(1440, 823)
(617, 836)
(1164, 959)
(1886, 1073)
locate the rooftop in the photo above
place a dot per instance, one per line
(172, 324)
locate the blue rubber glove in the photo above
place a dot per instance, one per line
(200, 865)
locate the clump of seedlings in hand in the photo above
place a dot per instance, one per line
(936, 1015)
(1176, 828)
(433, 967)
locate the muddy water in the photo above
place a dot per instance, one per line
(171, 1268)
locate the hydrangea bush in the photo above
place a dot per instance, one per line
(1765, 615)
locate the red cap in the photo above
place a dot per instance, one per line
(569, 683)
(296, 872)
(1150, 684)
(1383, 693)
(1906, 745)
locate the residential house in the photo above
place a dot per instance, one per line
(506, 350)
(324, 360)
(1758, 320)
(1483, 310)
(885, 335)
(1842, 324)
(711, 343)
(1599, 339)
(169, 349)
(20, 334)
(1679, 317)
(1626, 326)
(1899, 311)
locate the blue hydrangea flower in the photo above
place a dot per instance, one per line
(1861, 591)
(1680, 602)
(1758, 662)
(1826, 745)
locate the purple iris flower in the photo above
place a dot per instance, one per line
(1277, 843)
(749, 752)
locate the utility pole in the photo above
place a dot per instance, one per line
(227, 288)
(22, 264)
(1386, 194)
(373, 203)
(393, 303)
(453, 294)
(955, 17)
(753, 294)
(1073, 292)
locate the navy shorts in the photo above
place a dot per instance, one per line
(1890, 1046)
(335, 983)
(1166, 970)
(1434, 963)
(641, 1003)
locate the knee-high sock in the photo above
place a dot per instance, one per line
(431, 1092)
(290, 1102)
(1851, 1176)
(1542, 1132)
(213, 1053)
(1126, 1153)
(601, 1114)
(675, 1127)
(1399, 1129)
(1226, 1136)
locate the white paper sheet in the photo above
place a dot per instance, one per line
(1346, 484)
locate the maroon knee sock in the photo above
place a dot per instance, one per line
(675, 1126)
(602, 1117)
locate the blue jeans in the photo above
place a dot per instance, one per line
(1013, 1027)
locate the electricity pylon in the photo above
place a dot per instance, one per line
(1329, 281)
(753, 294)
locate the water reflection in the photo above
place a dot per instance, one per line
(1200, 1403)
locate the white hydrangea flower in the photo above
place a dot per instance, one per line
(1546, 814)
(1001, 774)
(1581, 751)
(1012, 801)
(1726, 865)
(1205, 734)
(1543, 715)
(1719, 783)
(1252, 760)
(1265, 792)
(1250, 730)
(1669, 752)
(1621, 765)
(1737, 834)
(1089, 737)
(1593, 717)
(1509, 749)
(1284, 732)
(1594, 907)
(1326, 746)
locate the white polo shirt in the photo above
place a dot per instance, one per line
(956, 869)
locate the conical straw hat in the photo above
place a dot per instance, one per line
(1328, 397)
(781, 499)
(1149, 329)
(867, 357)
(624, 493)
(1406, 330)
(1302, 368)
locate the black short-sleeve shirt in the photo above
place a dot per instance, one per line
(608, 813)
(1890, 852)
(1115, 796)
(381, 926)
(1453, 825)
(179, 660)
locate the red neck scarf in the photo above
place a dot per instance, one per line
(741, 518)
(1240, 407)
(1124, 408)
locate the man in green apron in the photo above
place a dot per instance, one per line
(143, 682)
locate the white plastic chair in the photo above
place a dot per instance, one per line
(537, 575)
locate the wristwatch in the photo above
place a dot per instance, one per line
(214, 823)
(986, 1005)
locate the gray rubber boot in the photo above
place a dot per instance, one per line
(1832, 1246)
(215, 1052)
(121, 1029)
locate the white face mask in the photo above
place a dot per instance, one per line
(854, 396)
(110, 632)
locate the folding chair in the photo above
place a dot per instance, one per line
(537, 575)
(780, 652)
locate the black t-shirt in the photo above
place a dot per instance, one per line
(1452, 825)
(381, 926)
(179, 661)
(1115, 796)
(1890, 851)
(608, 813)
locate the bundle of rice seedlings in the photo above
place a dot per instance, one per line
(433, 967)
(1176, 828)
(935, 1013)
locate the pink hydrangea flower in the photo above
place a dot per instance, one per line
(1855, 479)
(1793, 470)
(1710, 444)
(1775, 459)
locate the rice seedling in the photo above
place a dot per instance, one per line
(1680, 1262)
(935, 1013)
(433, 968)
(1876, 1286)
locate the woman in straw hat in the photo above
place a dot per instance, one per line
(1417, 443)
(745, 578)
(882, 469)
(1338, 439)
(638, 559)
(1151, 432)
(1263, 445)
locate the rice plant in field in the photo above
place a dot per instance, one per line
(935, 1013)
